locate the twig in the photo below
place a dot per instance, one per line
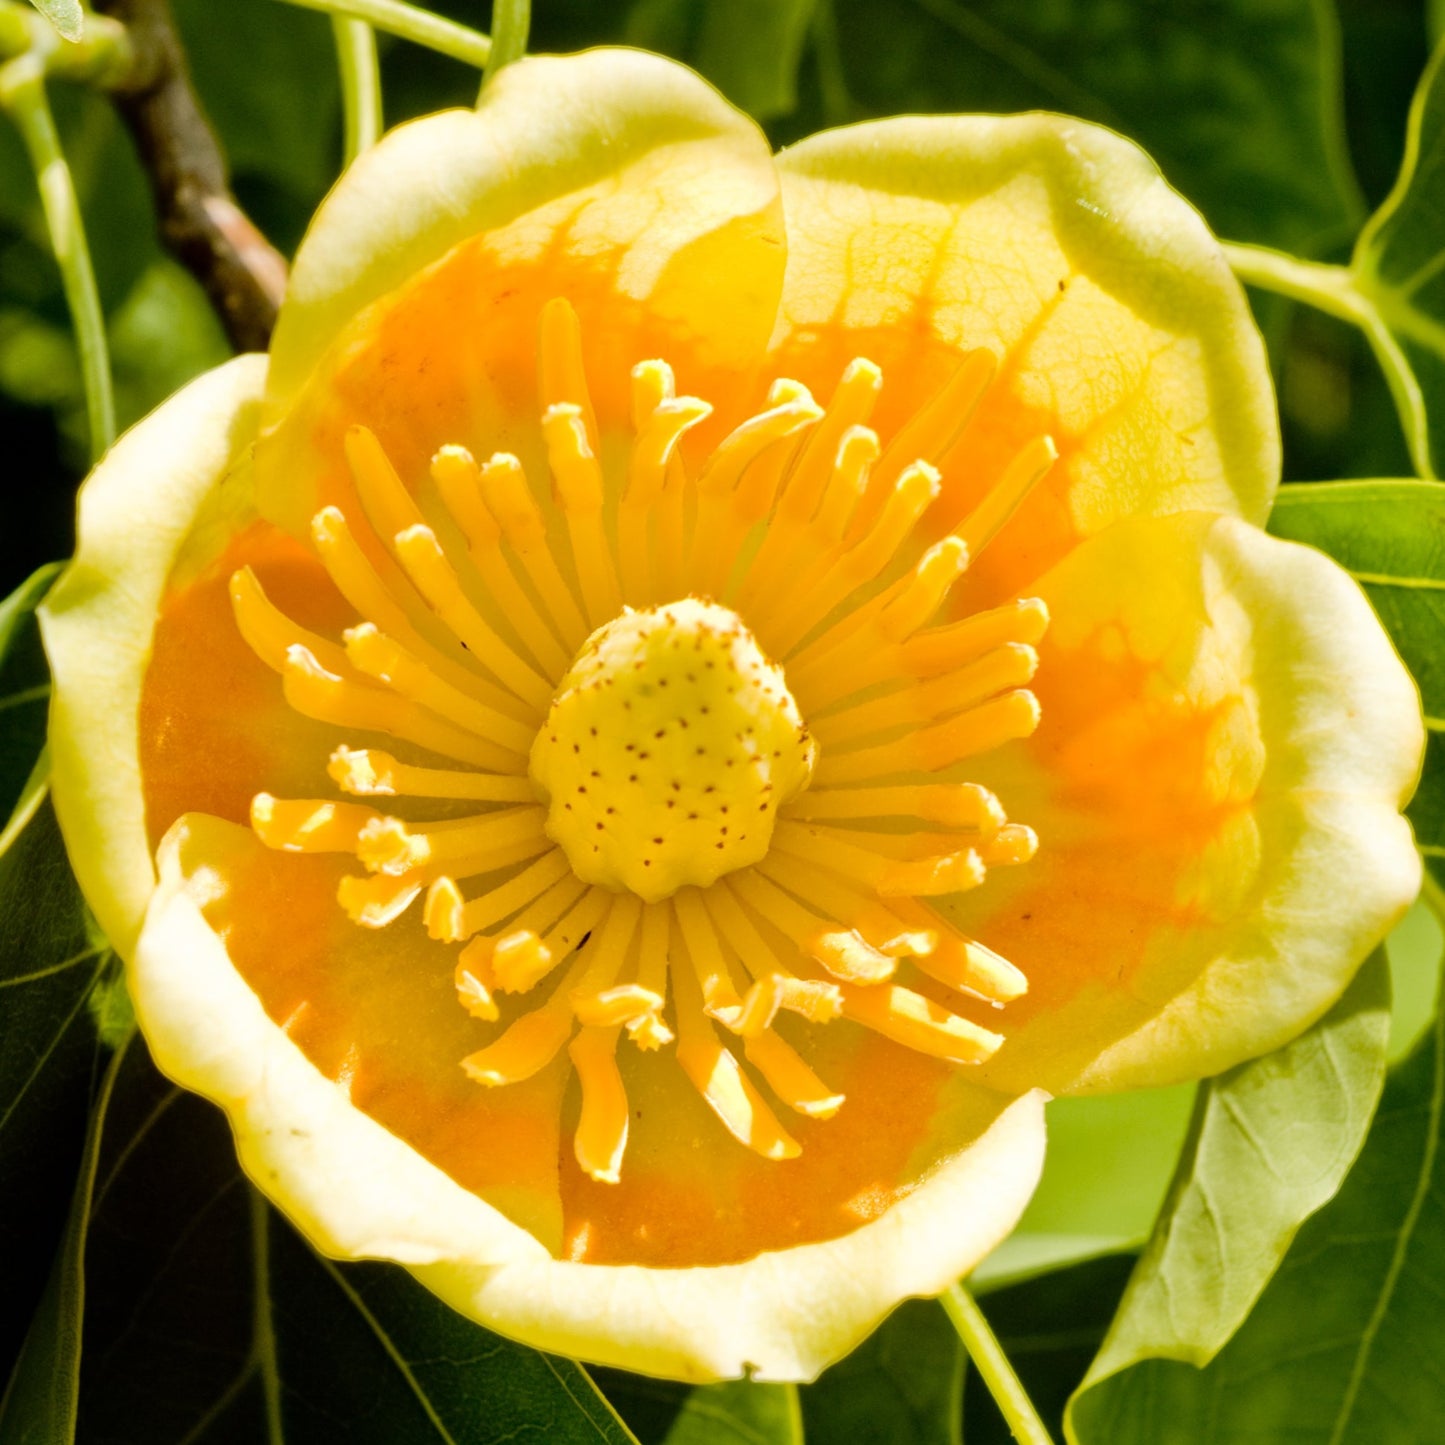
(198, 217)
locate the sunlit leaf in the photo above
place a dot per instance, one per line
(902, 1386)
(1108, 1166)
(65, 15)
(1344, 1346)
(208, 1318)
(1270, 1143)
(1399, 262)
(1390, 535)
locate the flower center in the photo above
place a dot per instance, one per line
(697, 866)
(667, 749)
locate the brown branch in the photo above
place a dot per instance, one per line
(198, 218)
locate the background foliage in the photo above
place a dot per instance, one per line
(1188, 1271)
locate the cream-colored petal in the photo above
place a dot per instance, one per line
(163, 489)
(1058, 246)
(1228, 738)
(634, 130)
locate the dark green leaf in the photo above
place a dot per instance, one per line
(1391, 537)
(24, 686)
(208, 1319)
(1344, 1347)
(738, 1413)
(1399, 262)
(65, 15)
(49, 963)
(902, 1386)
(1238, 102)
(39, 1403)
(1270, 1143)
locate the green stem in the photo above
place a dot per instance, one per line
(511, 20)
(1336, 290)
(22, 94)
(360, 83)
(994, 1367)
(410, 22)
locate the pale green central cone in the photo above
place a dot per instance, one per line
(668, 749)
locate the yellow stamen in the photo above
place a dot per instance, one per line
(789, 1077)
(375, 655)
(512, 835)
(958, 805)
(918, 1023)
(562, 376)
(310, 825)
(474, 984)
(981, 729)
(421, 554)
(601, 1137)
(504, 487)
(1007, 667)
(579, 484)
(325, 697)
(370, 773)
(841, 950)
(458, 480)
(270, 634)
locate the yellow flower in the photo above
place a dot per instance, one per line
(575, 691)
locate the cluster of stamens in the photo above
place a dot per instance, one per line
(635, 800)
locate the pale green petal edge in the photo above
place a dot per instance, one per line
(136, 511)
(1119, 222)
(1352, 765)
(358, 1192)
(547, 126)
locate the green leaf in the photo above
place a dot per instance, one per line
(1344, 1346)
(24, 685)
(39, 1406)
(901, 1386)
(49, 964)
(65, 15)
(1271, 1142)
(1399, 269)
(208, 1318)
(1109, 1164)
(738, 1413)
(1251, 133)
(1390, 536)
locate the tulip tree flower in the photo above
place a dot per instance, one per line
(693, 688)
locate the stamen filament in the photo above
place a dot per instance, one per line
(991, 724)
(789, 1077)
(325, 697)
(601, 1137)
(370, 773)
(957, 805)
(421, 555)
(918, 1023)
(270, 633)
(579, 482)
(504, 488)
(458, 480)
(377, 656)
